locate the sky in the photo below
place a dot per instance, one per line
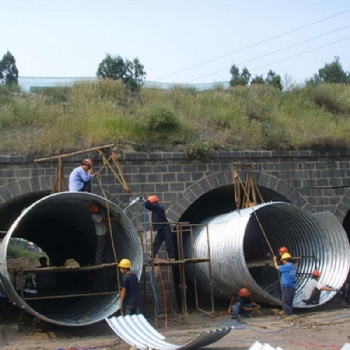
(177, 41)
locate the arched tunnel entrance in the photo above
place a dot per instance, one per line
(12, 209)
(242, 243)
(221, 200)
(61, 226)
(346, 224)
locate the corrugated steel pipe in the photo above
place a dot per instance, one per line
(240, 254)
(61, 225)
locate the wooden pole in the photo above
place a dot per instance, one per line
(73, 153)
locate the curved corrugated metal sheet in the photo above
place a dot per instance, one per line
(237, 239)
(61, 225)
(138, 332)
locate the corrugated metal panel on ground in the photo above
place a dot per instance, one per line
(258, 346)
(138, 332)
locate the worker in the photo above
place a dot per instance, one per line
(288, 279)
(80, 177)
(45, 281)
(161, 225)
(312, 290)
(282, 250)
(29, 287)
(243, 304)
(129, 295)
(347, 291)
(101, 220)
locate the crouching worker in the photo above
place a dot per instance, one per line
(312, 290)
(129, 295)
(243, 304)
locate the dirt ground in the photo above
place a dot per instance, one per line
(326, 327)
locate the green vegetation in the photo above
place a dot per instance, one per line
(254, 117)
(8, 70)
(131, 73)
(18, 248)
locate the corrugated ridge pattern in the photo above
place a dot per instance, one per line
(138, 332)
(319, 239)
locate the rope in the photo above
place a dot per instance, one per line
(119, 176)
(256, 216)
(110, 228)
(149, 273)
(236, 185)
(164, 297)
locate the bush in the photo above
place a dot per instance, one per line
(198, 150)
(329, 103)
(54, 94)
(161, 119)
(241, 118)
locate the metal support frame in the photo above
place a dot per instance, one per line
(179, 229)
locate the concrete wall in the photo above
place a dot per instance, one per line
(315, 181)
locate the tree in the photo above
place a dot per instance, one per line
(274, 80)
(271, 79)
(331, 73)
(131, 73)
(243, 78)
(258, 79)
(8, 70)
(239, 78)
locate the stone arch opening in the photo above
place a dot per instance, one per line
(221, 200)
(346, 223)
(12, 209)
(213, 201)
(220, 190)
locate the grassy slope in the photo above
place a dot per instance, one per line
(59, 120)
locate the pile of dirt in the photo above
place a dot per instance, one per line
(14, 267)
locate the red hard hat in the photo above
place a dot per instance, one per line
(94, 208)
(316, 273)
(153, 199)
(88, 162)
(283, 250)
(244, 292)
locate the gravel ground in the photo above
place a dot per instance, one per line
(326, 327)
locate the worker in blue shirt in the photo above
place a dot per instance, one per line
(288, 278)
(80, 177)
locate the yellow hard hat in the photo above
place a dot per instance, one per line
(286, 256)
(126, 263)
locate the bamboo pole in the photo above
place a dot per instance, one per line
(73, 153)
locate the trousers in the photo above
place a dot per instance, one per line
(164, 235)
(287, 299)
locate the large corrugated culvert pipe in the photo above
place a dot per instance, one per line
(241, 256)
(61, 225)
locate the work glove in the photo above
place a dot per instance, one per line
(121, 307)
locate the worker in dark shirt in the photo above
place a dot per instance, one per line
(45, 281)
(160, 224)
(129, 295)
(243, 305)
